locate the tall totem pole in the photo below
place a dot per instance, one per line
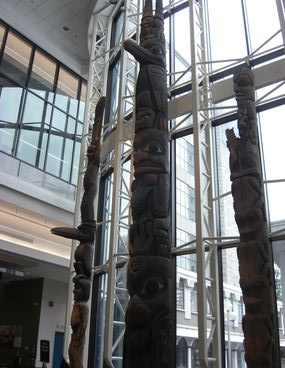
(147, 340)
(85, 234)
(254, 252)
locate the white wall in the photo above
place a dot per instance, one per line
(52, 319)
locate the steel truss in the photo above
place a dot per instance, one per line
(116, 149)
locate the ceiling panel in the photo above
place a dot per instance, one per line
(63, 23)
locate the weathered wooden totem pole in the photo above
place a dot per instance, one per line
(147, 340)
(85, 234)
(254, 252)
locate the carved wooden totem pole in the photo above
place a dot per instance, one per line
(85, 234)
(254, 252)
(147, 340)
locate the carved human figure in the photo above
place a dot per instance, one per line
(254, 252)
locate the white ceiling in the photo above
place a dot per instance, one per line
(19, 267)
(43, 21)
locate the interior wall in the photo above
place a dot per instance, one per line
(52, 316)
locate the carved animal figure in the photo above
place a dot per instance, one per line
(85, 234)
(254, 252)
(147, 340)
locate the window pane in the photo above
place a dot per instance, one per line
(30, 129)
(75, 167)
(115, 73)
(67, 159)
(82, 101)
(58, 120)
(67, 88)
(53, 163)
(16, 58)
(42, 76)
(227, 31)
(118, 26)
(273, 132)
(10, 99)
(276, 201)
(259, 33)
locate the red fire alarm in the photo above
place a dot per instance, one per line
(51, 303)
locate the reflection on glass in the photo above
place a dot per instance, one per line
(28, 145)
(43, 72)
(10, 99)
(67, 159)
(66, 92)
(58, 120)
(75, 167)
(71, 124)
(16, 58)
(54, 153)
(264, 26)
(83, 96)
(226, 30)
(43, 146)
(30, 129)
(9, 104)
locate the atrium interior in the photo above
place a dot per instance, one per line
(57, 58)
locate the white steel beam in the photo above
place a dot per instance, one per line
(208, 328)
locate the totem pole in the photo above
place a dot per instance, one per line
(85, 234)
(254, 252)
(147, 340)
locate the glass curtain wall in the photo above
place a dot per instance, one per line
(235, 35)
(41, 107)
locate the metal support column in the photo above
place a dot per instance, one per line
(207, 268)
(281, 11)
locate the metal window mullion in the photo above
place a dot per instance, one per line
(201, 281)
(280, 8)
